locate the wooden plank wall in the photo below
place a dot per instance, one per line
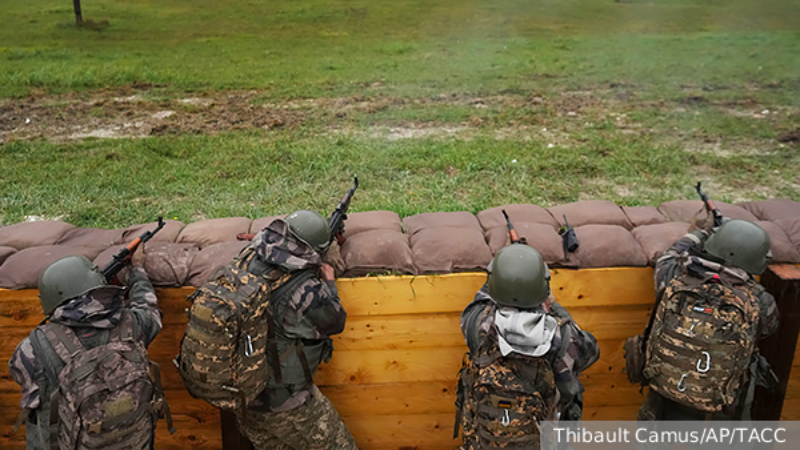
(393, 373)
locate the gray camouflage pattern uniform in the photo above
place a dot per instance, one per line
(91, 316)
(668, 267)
(294, 414)
(581, 353)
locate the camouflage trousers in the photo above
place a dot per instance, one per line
(313, 426)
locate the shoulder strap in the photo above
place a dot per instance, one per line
(63, 340)
(125, 329)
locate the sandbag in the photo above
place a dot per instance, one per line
(377, 252)
(263, 222)
(170, 232)
(99, 237)
(542, 237)
(460, 219)
(655, 239)
(783, 250)
(597, 212)
(5, 252)
(643, 215)
(772, 210)
(493, 217)
(688, 210)
(21, 270)
(791, 226)
(214, 231)
(33, 234)
(447, 250)
(607, 246)
(371, 220)
(211, 258)
(167, 263)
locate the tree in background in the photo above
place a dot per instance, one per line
(78, 17)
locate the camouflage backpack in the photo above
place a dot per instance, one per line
(105, 397)
(703, 337)
(223, 352)
(501, 400)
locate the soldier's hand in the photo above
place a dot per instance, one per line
(327, 272)
(138, 257)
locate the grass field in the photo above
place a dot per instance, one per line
(200, 109)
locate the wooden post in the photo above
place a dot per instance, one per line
(783, 282)
(78, 16)
(232, 439)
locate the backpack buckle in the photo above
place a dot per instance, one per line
(248, 349)
(505, 420)
(682, 384)
(708, 363)
(95, 427)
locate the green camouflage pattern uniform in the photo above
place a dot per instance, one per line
(556, 377)
(669, 271)
(292, 413)
(90, 316)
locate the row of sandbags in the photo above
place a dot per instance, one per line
(380, 242)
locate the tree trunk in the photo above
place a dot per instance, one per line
(78, 17)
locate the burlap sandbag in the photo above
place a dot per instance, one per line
(493, 217)
(371, 220)
(33, 234)
(447, 250)
(5, 252)
(607, 246)
(211, 258)
(791, 227)
(460, 219)
(655, 239)
(214, 231)
(170, 232)
(643, 215)
(91, 236)
(596, 212)
(772, 210)
(693, 210)
(263, 222)
(377, 252)
(21, 270)
(543, 238)
(783, 250)
(167, 263)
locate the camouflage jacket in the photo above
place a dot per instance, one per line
(311, 314)
(91, 315)
(668, 266)
(582, 350)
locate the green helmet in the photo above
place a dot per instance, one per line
(742, 244)
(310, 227)
(518, 277)
(65, 279)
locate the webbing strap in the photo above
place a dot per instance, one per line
(303, 361)
(272, 342)
(63, 340)
(160, 393)
(21, 418)
(54, 401)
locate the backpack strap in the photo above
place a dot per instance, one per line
(303, 361)
(160, 403)
(55, 399)
(125, 329)
(63, 340)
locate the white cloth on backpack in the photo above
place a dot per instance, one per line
(525, 332)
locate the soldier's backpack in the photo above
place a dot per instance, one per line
(106, 397)
(502, 400)
(223, 352)
(702, 340)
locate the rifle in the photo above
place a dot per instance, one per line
(124, 255)
(512, 233)
(569, 238)
(339, 215)
(710, 207)
(335, 223)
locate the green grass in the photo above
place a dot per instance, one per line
(311, 48)
(687, 74)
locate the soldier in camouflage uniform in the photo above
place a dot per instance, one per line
(521, 340)
(736, 251)
(291, 413)
(74, 293)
